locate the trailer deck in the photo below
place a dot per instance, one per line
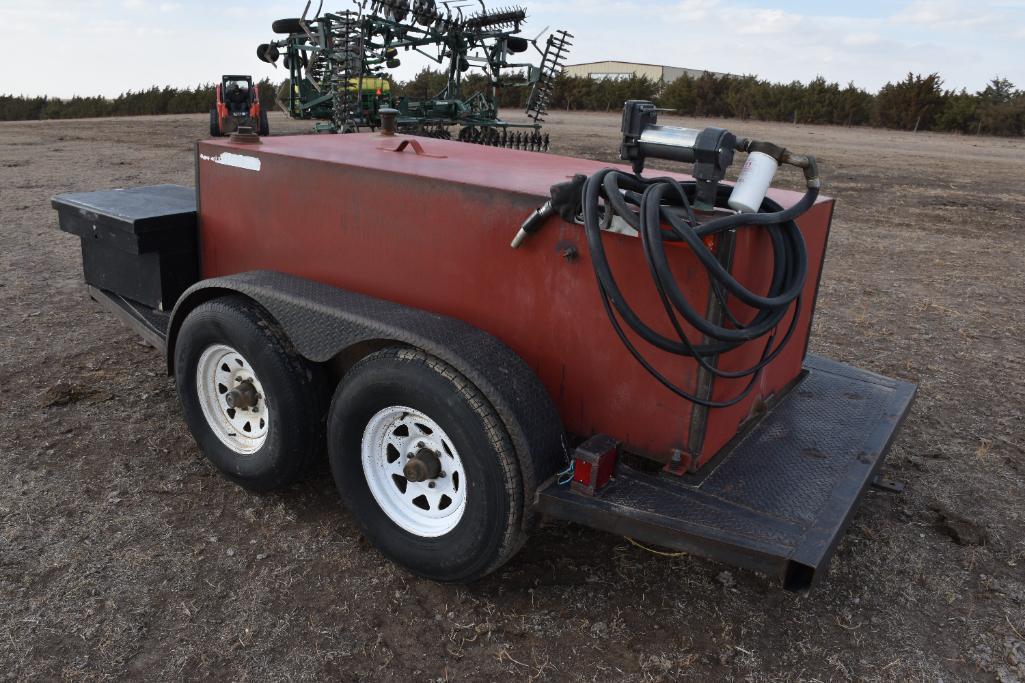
(779, 498)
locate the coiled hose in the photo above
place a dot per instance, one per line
(649, 204)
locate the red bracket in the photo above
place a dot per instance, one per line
(417, 147)
(682, 463)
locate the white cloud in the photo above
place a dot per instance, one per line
(944, 14)
(769, 22)
(856, 39)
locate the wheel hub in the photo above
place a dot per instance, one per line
(423, 466)
(243, 397)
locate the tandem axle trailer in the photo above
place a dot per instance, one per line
(358, 295)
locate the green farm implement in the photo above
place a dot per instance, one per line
(339, 65)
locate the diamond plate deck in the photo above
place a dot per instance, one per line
(780, 497)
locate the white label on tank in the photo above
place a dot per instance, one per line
(236, 160)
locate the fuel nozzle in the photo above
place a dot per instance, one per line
(566, 201)
(533, 223)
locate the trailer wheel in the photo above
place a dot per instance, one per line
(425, 466)
(215, 123)
(254, 406)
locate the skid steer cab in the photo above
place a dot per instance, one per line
(465, 389)
(237, 106)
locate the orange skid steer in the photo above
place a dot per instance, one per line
(238, 106)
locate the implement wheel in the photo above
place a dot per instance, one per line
(287, 26)
(425, 465)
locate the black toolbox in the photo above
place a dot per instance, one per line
(139, 243)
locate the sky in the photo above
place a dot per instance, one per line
(104, 47)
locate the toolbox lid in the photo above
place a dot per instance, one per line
(138, 209)
(137, 220)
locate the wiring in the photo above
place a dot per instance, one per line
(566, 476)
(660, 553)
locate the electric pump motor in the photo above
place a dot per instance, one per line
(710, 150)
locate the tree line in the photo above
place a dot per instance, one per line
(915, 103)
(153, 101)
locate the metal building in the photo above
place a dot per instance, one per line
(623, 70)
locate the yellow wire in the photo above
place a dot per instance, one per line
(660, 553)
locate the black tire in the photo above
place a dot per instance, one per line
(215, 123)
(489, 531)
(268, 53)
(264, 123)
(287, 26)
(295, 394)
(517, 45)
(399, 10)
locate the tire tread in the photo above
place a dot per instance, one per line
(514, 534)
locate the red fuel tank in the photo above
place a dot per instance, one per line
(432, 231)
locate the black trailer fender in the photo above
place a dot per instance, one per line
(325, 323)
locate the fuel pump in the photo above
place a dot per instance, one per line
(665, 210)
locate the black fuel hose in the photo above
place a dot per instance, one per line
(648, 205)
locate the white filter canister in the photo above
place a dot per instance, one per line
(753, 183)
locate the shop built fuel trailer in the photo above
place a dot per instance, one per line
(636, 360)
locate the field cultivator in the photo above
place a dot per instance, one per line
(337, 62)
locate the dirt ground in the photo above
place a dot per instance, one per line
(123, 554)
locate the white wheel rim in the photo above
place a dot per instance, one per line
(430, 508)
(220, 370)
